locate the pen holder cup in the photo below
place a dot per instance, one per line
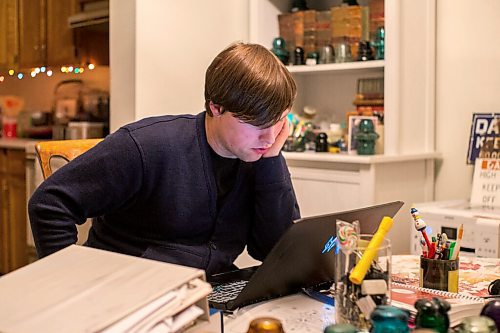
(439, 274)
(354, 302)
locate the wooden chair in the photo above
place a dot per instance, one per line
(65, 149)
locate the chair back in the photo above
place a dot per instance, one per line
(65, 149)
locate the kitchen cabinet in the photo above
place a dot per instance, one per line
(13, 220)
(8, 33)
(405, 171)
(44, 34)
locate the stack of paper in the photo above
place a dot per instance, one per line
(80, 289)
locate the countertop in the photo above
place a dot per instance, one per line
(19, 143)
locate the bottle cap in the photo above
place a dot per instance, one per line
(340, 328)
(265, 325)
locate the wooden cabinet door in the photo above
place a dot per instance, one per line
(4, 214)
(4, 226)
(13, 243)
(60, 43)
(32, 33)
(18, 255)
(9, 45)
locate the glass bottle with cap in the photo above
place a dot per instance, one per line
(389, 319)
(265, 325)
(492, 310)
(476, 324)
(340, 328)
(432, 314)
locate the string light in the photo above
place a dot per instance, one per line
(49, 72)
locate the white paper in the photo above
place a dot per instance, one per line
(297, 313)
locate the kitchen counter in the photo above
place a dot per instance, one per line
(18, 143)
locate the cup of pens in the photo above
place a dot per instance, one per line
(439, 262)
(440, 274)
(362, 274)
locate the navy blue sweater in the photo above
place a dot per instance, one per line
(151, 191)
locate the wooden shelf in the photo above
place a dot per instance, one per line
(338, 67)
(359, 159)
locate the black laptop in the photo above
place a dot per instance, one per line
(303, 257)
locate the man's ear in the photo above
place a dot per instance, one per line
(216, 109)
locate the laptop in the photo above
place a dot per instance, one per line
(304, 257)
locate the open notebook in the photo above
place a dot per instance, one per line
(81, 289)
(462, 305)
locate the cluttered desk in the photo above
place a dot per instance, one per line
(417, 284)
(306, 312)
(350, 281)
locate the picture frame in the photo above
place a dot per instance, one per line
(353, 129)
(484, 137)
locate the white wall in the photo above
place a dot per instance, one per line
(175, 41)
(122, 62)
(467, 81)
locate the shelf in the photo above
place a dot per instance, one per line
(358, 159)
(338, 67)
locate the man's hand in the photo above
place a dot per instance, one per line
(280, 140)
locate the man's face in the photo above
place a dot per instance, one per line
(244, 141)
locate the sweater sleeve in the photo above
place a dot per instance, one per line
(276, 206)
(97, 182)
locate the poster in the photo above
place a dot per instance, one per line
(486, 183)
(484, 137)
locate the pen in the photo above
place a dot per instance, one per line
(432, 250)
(437, 253)
(420, 226)
(452, 249)
(456, 250)
(425, 250)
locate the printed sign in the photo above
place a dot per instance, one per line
(484, 137)
(486, 183)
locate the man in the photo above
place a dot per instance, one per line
(192, 190)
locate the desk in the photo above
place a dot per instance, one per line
(300, 313)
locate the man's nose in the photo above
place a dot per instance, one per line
(267, 135)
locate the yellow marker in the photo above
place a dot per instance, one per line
(358, 273)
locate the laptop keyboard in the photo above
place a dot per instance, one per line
(226, 292)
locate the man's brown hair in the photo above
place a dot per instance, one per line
(251, 83)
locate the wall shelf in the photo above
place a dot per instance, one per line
(338, 67)
(360, 159)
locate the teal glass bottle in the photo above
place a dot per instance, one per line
(340, 328)
(389, 319)
(280, 51)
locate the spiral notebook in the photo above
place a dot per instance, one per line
(462, 305)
